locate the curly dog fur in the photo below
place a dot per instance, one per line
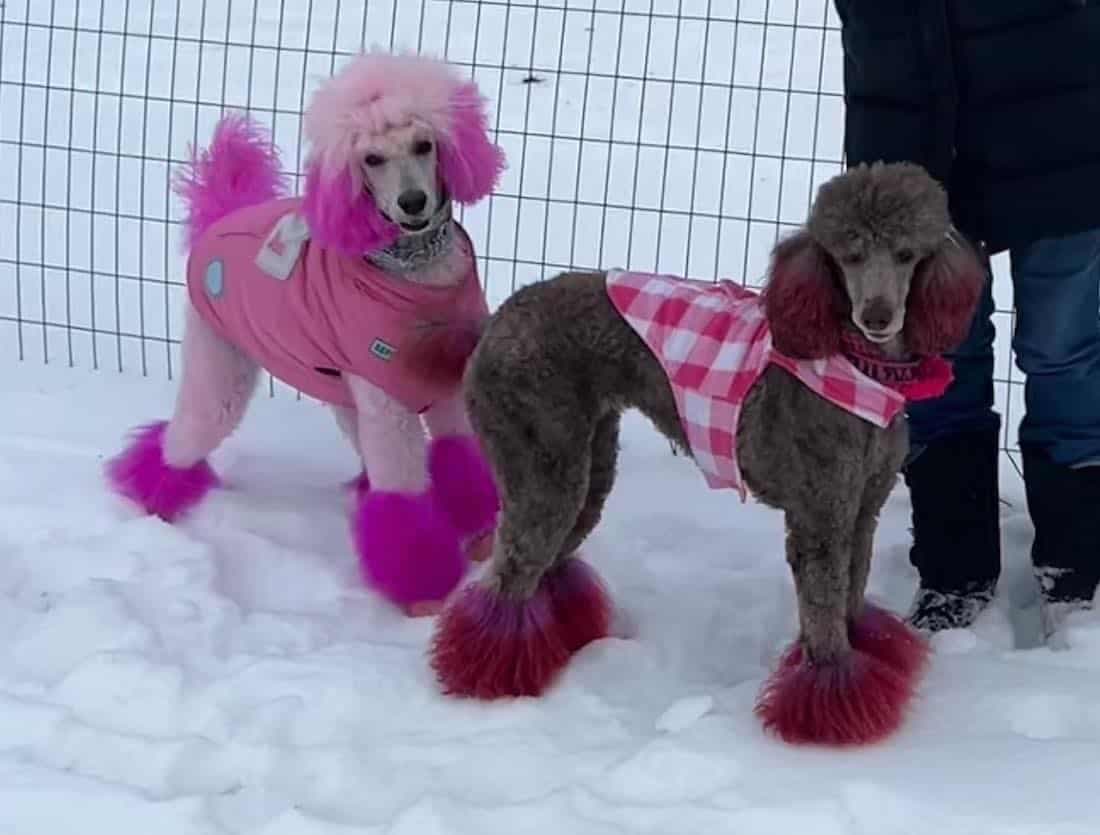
(557, 365)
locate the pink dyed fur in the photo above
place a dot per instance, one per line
(371, 94)
(374, 93)
(468, 162)
(411, 549)
(239, 168)
(342, 216)
(141, 474)
(395, 532)
(217, 383)
(461, 478)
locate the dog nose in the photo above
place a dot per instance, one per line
(413, 201)
(877, 315)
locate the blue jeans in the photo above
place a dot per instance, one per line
(1056, 283)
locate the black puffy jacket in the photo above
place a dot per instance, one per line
(998, 99)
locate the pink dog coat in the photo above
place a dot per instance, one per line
(713, 341)
(310, 314)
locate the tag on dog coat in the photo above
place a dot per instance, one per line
(282, 246)
(383, 350)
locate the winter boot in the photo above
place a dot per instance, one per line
(956, 529)
(1064, 504)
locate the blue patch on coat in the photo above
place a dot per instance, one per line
(214, 279)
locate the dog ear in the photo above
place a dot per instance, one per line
(342, 214)
(800, 299)
(943, 297)
(469, 163)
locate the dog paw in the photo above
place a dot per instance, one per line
(408, 549)
(489, 646)
(855, 700)
(141, 474)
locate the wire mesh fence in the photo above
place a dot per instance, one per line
(674, 135)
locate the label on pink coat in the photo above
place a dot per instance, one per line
(310, 315)
(282, 247)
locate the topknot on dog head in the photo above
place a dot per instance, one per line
(897, 204)
(374, 93)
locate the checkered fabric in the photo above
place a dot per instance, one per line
(713, 341)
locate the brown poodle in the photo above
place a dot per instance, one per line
(797, 394)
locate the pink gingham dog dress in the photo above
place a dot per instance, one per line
(309, 314)
(713, 341)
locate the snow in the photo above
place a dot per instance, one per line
(230, 675)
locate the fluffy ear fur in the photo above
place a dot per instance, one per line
(341, 213)
(469, 163)
(800, 299)
(943, 297)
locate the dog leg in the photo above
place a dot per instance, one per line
(216, 387)
(408, 547)
(820, 559)
(164, 469)
(583, 608)
(514, 632)
(601, 478)
(348, 421)
(873, 630)
(460, 476)
(826, 690)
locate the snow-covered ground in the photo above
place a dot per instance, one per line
(230, 675)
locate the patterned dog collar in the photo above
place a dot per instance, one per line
(917, 378)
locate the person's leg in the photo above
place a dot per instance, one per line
(952, 478)
(1057, 345)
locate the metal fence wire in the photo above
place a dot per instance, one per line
(674, 135)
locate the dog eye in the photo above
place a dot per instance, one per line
(373, 160)
(422, 147)
(903, 256)
(853, 258)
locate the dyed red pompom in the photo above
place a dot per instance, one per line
(490, 647)
(888, 638)
(857, 700)
(581, 604)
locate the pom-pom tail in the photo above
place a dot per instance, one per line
(239, 168)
